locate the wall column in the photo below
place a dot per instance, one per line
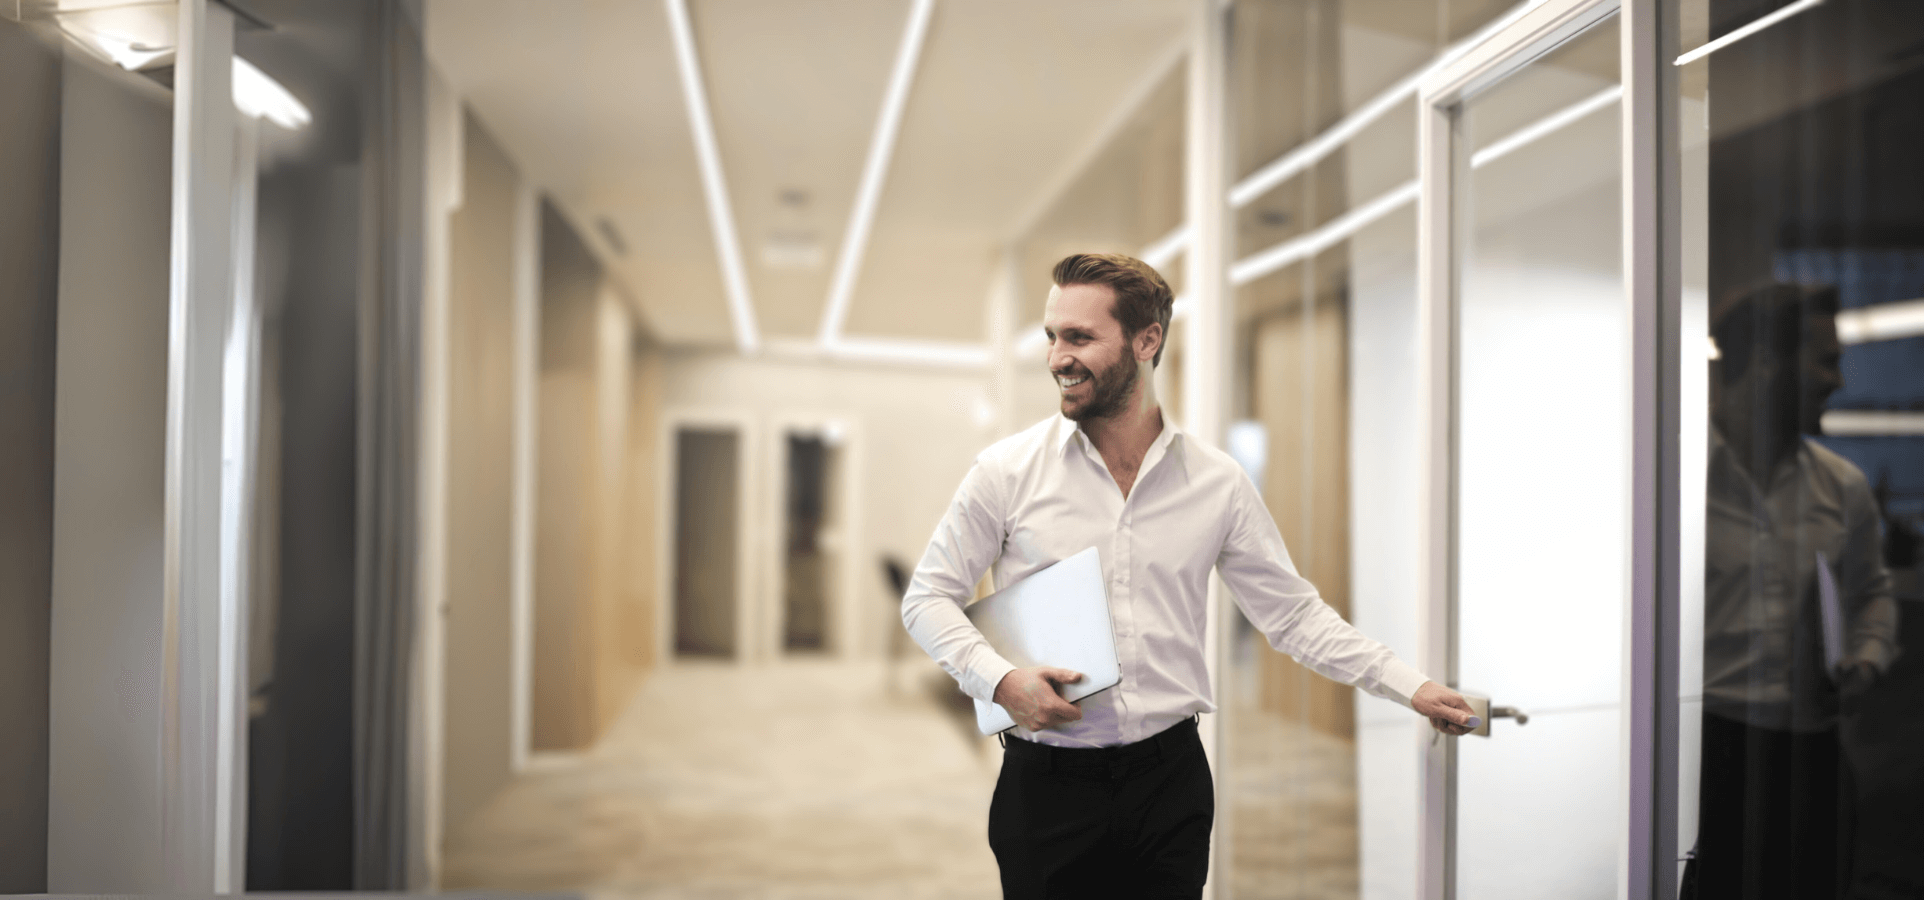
(193, 781)
(1206, 334)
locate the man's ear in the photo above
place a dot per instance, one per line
(1148, 342)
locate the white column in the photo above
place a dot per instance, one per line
(443, 134)
(527, 393)
(1652, 253)
(1437, 220)
(192, 779)
(239, 440)
(1206, 357)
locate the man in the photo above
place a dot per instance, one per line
(1112, 796)
(1775, 801)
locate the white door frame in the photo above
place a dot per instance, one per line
(1652, 285)
(845, 607)
(748, 540)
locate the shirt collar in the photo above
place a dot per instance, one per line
(1068, 433)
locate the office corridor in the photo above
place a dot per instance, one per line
(800, 780)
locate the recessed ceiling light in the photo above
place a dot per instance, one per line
(792, 250)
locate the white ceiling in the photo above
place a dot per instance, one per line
(584, 94)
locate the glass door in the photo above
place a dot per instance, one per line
(1542, 475)
(1533, 338)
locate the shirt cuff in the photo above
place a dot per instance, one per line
(1400, 681)
(1878, 652)
(986, 675)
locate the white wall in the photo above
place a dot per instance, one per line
(105, 760)
(914, 434)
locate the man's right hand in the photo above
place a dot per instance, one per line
(1031, 699)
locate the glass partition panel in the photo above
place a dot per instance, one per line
(1803, 449)
(1292, 788)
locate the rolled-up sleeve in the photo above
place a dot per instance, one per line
(965, 543)
(1287, 609)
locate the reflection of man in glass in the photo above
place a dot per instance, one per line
(1784, 516)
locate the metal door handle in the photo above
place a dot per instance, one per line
(1510, 712)
(1485, 713)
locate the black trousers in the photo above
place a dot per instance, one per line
(1129, 821)
(1773, 813)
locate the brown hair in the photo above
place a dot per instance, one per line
(1142, 297)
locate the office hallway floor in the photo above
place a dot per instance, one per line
(806, 779)
(813, 779)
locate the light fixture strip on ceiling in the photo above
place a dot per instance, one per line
(1881, 322)
(257, 95)
(1307, 154)
(1166, 248)
(848, 263)
(1748, 30)
(1871, 423)
(1263, 180)
(884, 351)
(1556, 121)
(721, 217)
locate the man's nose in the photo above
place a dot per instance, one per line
(1059, 361)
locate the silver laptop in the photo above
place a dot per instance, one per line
(1058, 616)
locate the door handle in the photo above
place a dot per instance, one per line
(1485, 713)
(1510, 712)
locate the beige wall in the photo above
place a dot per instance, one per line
(1305, 409)
(915, 433)
(639, 553)
(479, 684)
(584, 607)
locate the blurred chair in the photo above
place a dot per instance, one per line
(897, 576)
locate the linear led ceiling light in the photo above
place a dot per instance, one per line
(1748, 30)
(1535, 131)
(1166, 248)
(1263, 262)
(1881, 322)
(848, 263)
(1305, 155)
(262, 97)
(721, 217)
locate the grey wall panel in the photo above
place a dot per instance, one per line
(29, 270)
(116, 200)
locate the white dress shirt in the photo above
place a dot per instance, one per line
(1044, 494)
(1763, 650)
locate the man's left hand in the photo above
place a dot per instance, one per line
(1446, 709)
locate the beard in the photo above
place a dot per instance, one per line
(1109, 390)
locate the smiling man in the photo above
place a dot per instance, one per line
(1111, 796)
